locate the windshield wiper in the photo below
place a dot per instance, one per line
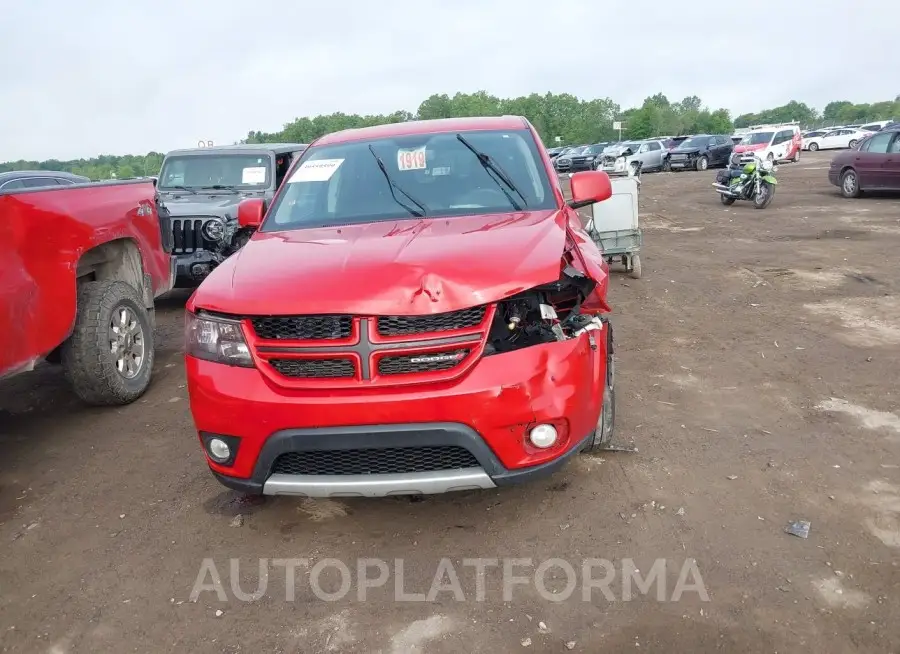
(219, 187)
(491, 165)
(180, 188)
(393, 185)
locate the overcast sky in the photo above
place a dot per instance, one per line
(83, 78)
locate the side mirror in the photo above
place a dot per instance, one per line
(250, 212)
(588, 188)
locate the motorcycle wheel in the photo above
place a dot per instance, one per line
(762, 199)
(727, 201)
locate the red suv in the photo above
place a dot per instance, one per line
(418, 311)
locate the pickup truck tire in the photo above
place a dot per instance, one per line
(88, 360)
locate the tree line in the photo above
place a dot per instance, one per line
(560, 119)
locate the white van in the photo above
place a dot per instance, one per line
(775, 142)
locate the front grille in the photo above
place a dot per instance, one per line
(187, 235)
(314, 368)
(421, 362)
(391, 460)
(441, 322)
(303, 328)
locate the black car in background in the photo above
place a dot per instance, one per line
(19, 179)
(702, 151)
(580, 159)
(554, 152)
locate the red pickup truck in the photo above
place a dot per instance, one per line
(81, 266)
(420, 311)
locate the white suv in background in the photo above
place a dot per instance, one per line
(835, 139)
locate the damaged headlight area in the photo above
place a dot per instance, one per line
(544, 314)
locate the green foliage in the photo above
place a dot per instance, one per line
(834, 113)
(562, 115)
(102, 167)
(659, 117)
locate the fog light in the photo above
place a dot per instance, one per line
(543, 436)
(218, 450)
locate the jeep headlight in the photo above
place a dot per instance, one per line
(214, 229)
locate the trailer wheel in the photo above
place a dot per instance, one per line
(108, 359)
(635, 268)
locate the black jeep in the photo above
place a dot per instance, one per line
(199, 192)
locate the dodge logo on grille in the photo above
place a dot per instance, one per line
(438, 358)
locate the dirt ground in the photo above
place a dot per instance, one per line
(757, 368)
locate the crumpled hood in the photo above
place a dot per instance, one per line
(407, 267)
(685, 151)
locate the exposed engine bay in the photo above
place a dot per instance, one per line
(545, 314)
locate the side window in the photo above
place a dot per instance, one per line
(878, 144)
(12, 185)
(895, 146)
(654, 146)
(39, 182)
(712, 142)
(63, 182)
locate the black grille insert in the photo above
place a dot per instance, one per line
(375, 461)
(440, 322)
(422, 362)
(314, 368)
(303, 328)
(187, 235)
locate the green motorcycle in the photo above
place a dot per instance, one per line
(747, 178)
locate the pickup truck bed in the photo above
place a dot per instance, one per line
(74, 260)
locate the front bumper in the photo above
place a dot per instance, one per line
(487, 412)
(688, 162)
(834, 176)
(193, 268)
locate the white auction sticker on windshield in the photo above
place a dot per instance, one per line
(254, 175)
(317, 170)
(412, 159)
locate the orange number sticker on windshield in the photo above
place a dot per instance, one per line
(411, 159)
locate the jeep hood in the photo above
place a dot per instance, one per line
(412, 267)
(220, 204)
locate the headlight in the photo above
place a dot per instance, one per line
(214, 229)
(216, 339)
(767, 165)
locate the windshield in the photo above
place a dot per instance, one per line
(757, 138)
(247, 171)
(593, 149)
(697, 142)
(634, 147)
(432, 174)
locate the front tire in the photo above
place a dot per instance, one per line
(796, 157)
(606, 423)
(635, 267)
(108, 359)
(727, 201)
(762, 199)
(852, 144)
(850, 184)
(666, 165)
(702, 163)
(813, 147)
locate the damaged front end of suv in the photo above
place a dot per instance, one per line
(437, 324)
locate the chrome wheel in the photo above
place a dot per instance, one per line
(849, 183)
(126, 342)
